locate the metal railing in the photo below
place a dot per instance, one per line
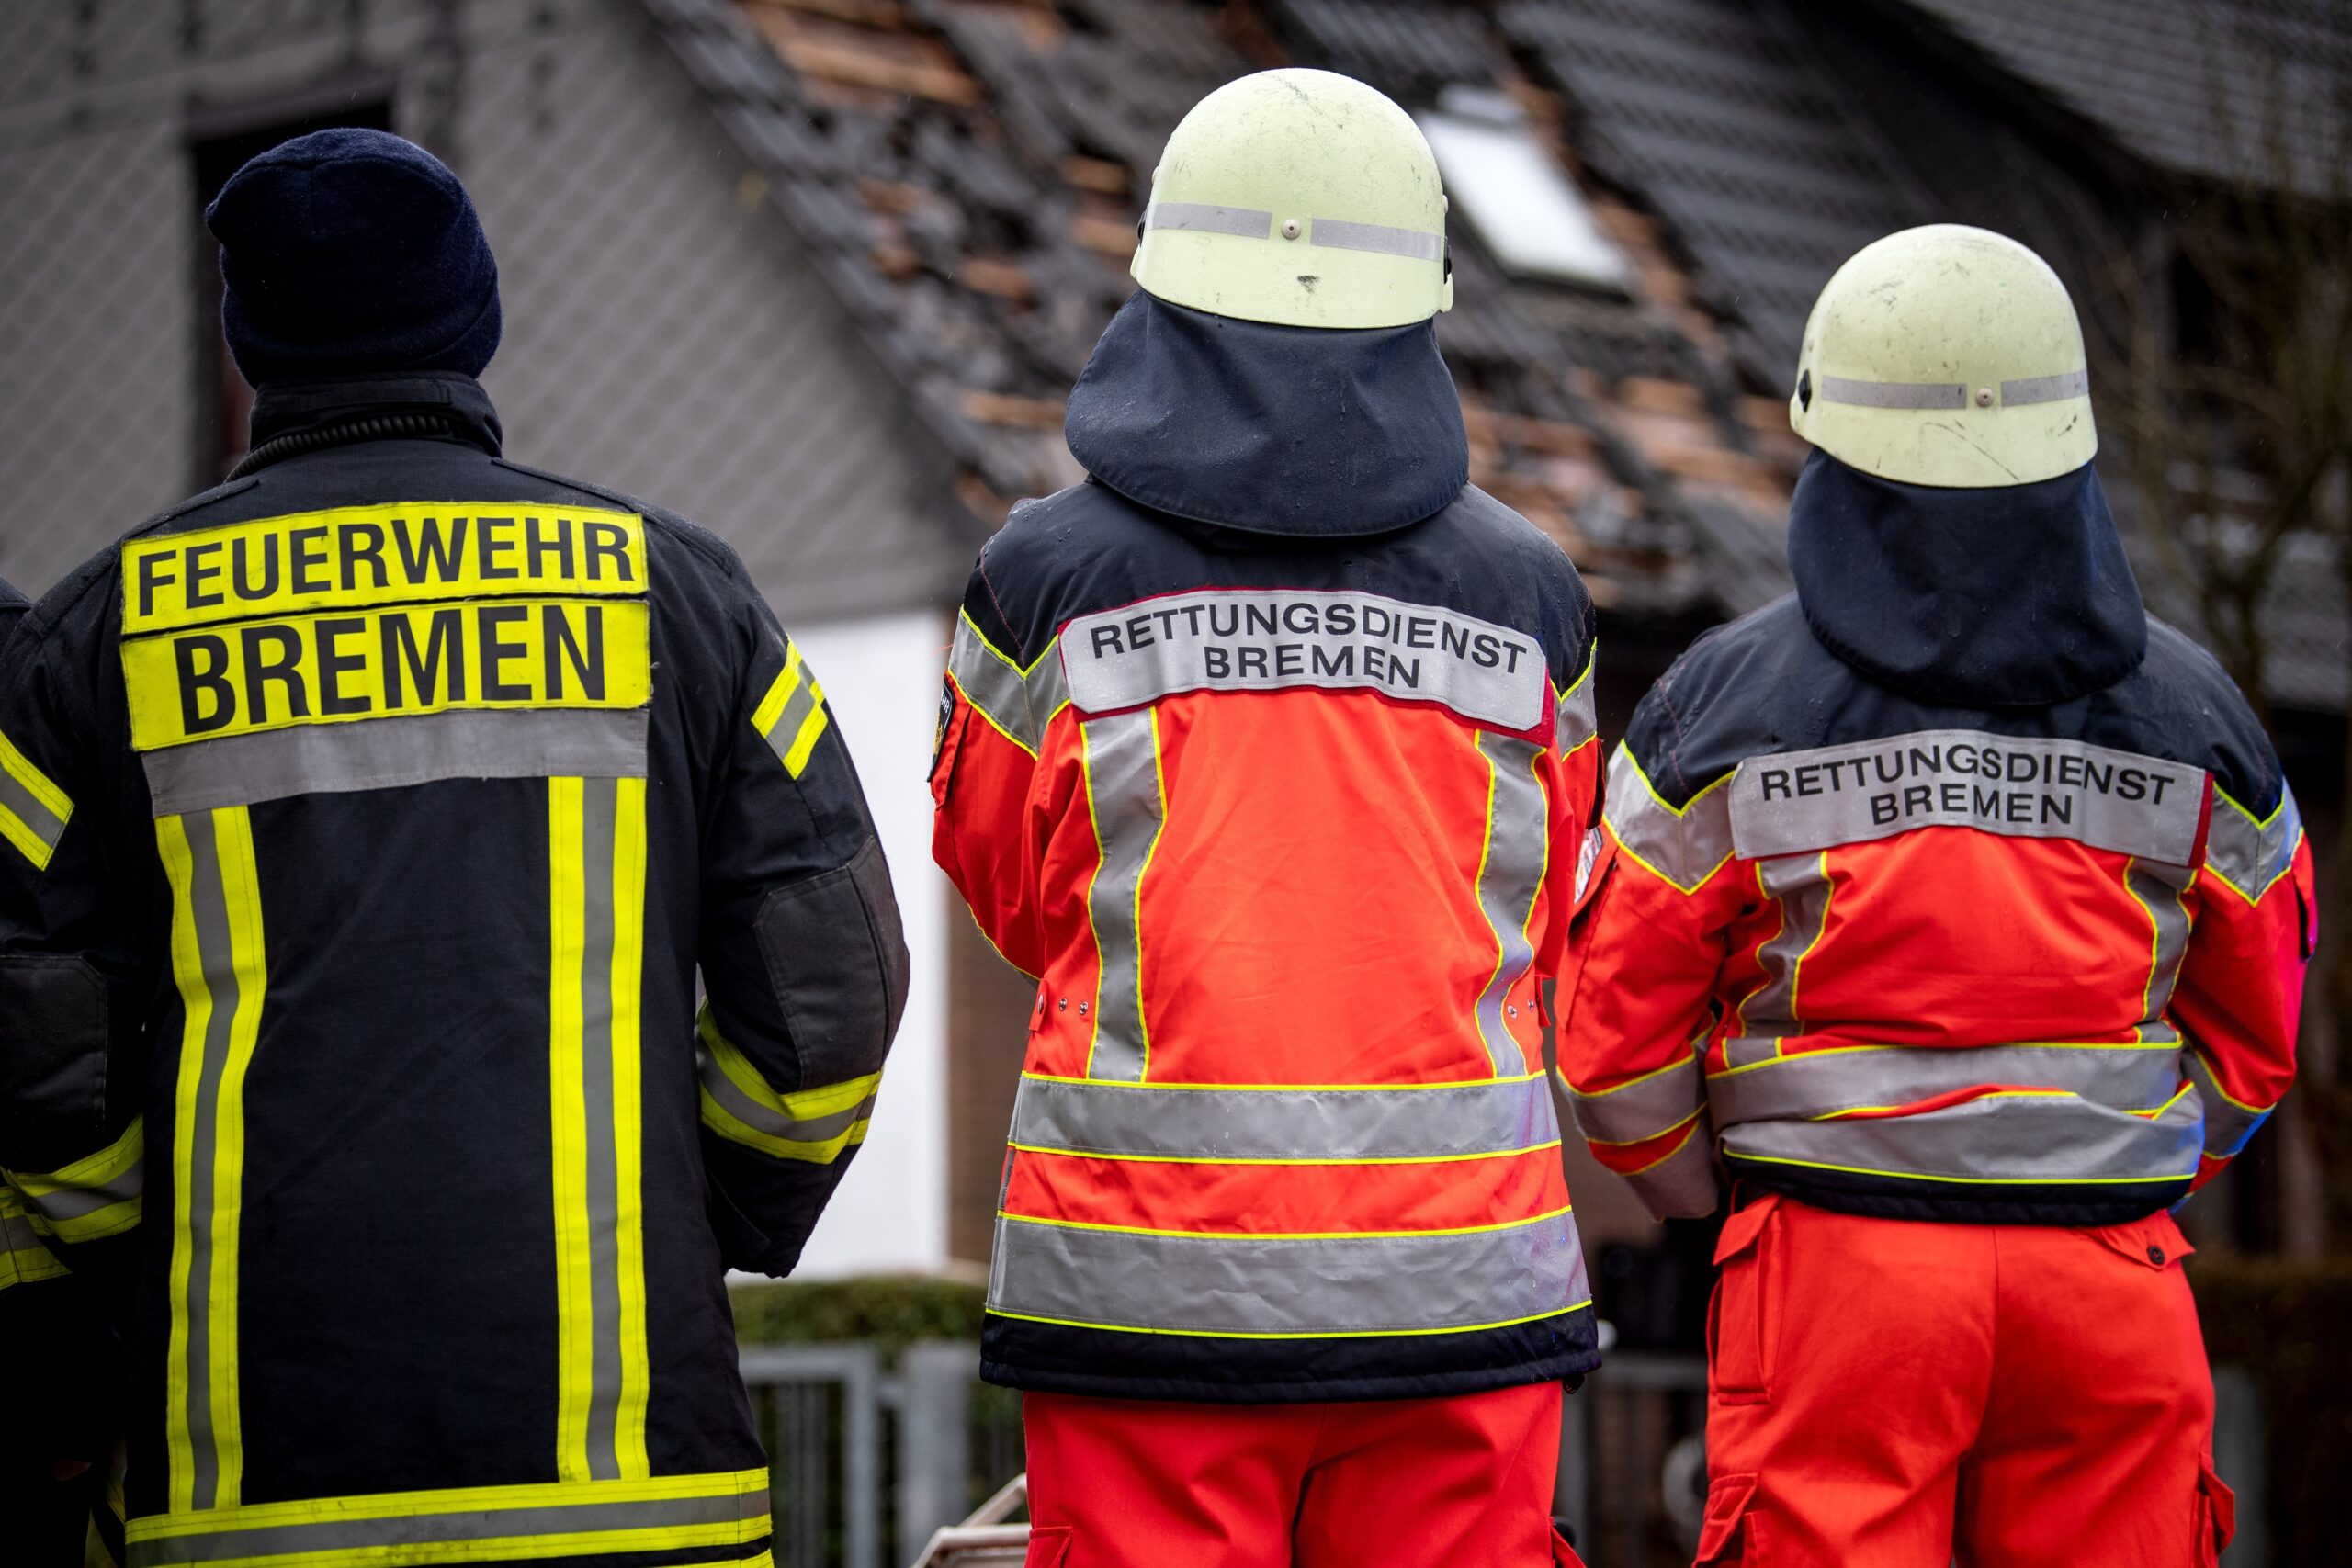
(868, 1460)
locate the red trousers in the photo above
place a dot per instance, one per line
(1889, 1394)
(1390, 1483)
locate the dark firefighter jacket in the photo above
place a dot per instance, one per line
(1268, 750)
(367, 820)
(1954, 887)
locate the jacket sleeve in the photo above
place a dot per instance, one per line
(994, 710)
(1575, 767)
(2240, 995)
(804, 963)
(1651, 934)
(74, 958)
(71, 1059)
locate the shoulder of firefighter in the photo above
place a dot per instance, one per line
(1285, 833)
(1897, 957)
(360, 855)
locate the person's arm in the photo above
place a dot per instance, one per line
(70, 1058)
(994, 710)
(804, 965)
(2241, 990)
(1657, 902)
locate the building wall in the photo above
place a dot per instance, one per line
(665, 334)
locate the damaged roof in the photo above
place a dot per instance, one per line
(968, 175)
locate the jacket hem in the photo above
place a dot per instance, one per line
(1946, 1203)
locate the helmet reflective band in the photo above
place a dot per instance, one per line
(1946, 356)
(1300, 197)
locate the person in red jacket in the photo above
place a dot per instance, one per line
(1268, 750)
(1956, 911)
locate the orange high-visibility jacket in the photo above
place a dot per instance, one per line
(1892, 945)
(1287, 830)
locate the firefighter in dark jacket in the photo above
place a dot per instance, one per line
(368, 820)
(60, 1420)
(1268, 750)
(1957, 910)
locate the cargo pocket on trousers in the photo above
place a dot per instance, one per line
(1048, 1546)
(1733, 1531)
(1741, 1315)
(2217, 1515)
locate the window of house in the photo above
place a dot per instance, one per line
(224, 403)
(1514, 193)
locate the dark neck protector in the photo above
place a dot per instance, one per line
(2014, 597)
(1297, 431)
(293, 417)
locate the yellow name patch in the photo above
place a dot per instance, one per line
(203, 683)
(377, 555)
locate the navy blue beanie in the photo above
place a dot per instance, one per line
(348, 251)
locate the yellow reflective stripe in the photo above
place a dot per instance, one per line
(567, 921)
(787, 704)
(33, 810)
(195, 1009)
(113, 1172)
(241, 886)
(1314, 1333)
(628, 1120)
(823, 1152)
(216, 948)
(450, 1500)
(756, 1095)
(23, 1259)
(799, 1105)
(596, 850)
(1560, 1212)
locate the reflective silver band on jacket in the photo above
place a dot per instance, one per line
(1635, 1111)
(1305, 1287)
(1684, 847)
(1575, 719)
(1152, 1122)
(1684, 1184)
(1797, 802)
(385, 753)
(1830, 1083)
(2012, 1139)
(2248, 854)
(2228, 1124)
(1021, 705)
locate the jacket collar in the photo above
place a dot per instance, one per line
(331, 412)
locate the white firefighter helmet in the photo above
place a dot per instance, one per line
(1946, 356)
(1300, 197)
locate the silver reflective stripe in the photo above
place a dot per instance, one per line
(1202, 218)
(1574, 721)
(1238, 640)
(1508, 878)
(1020, 706)
(2248, 854)
(1684, 1185)
(209, 1212)
(46, 826)
(1892, 394)
(1337, 234)
(1122, 794)
(1630, 1112)
(2015, 1140)
(541, 1528)
(2228, 1124)
(1154, 1122)
(760, 1119)
(1305, 1287)
(1793, 802)
(1827, 1083)
(1685, 847)
(2045, 388)
(2158, 888)
(388, 753)
(1800, 885)
(68, 1203)
(599, 809)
